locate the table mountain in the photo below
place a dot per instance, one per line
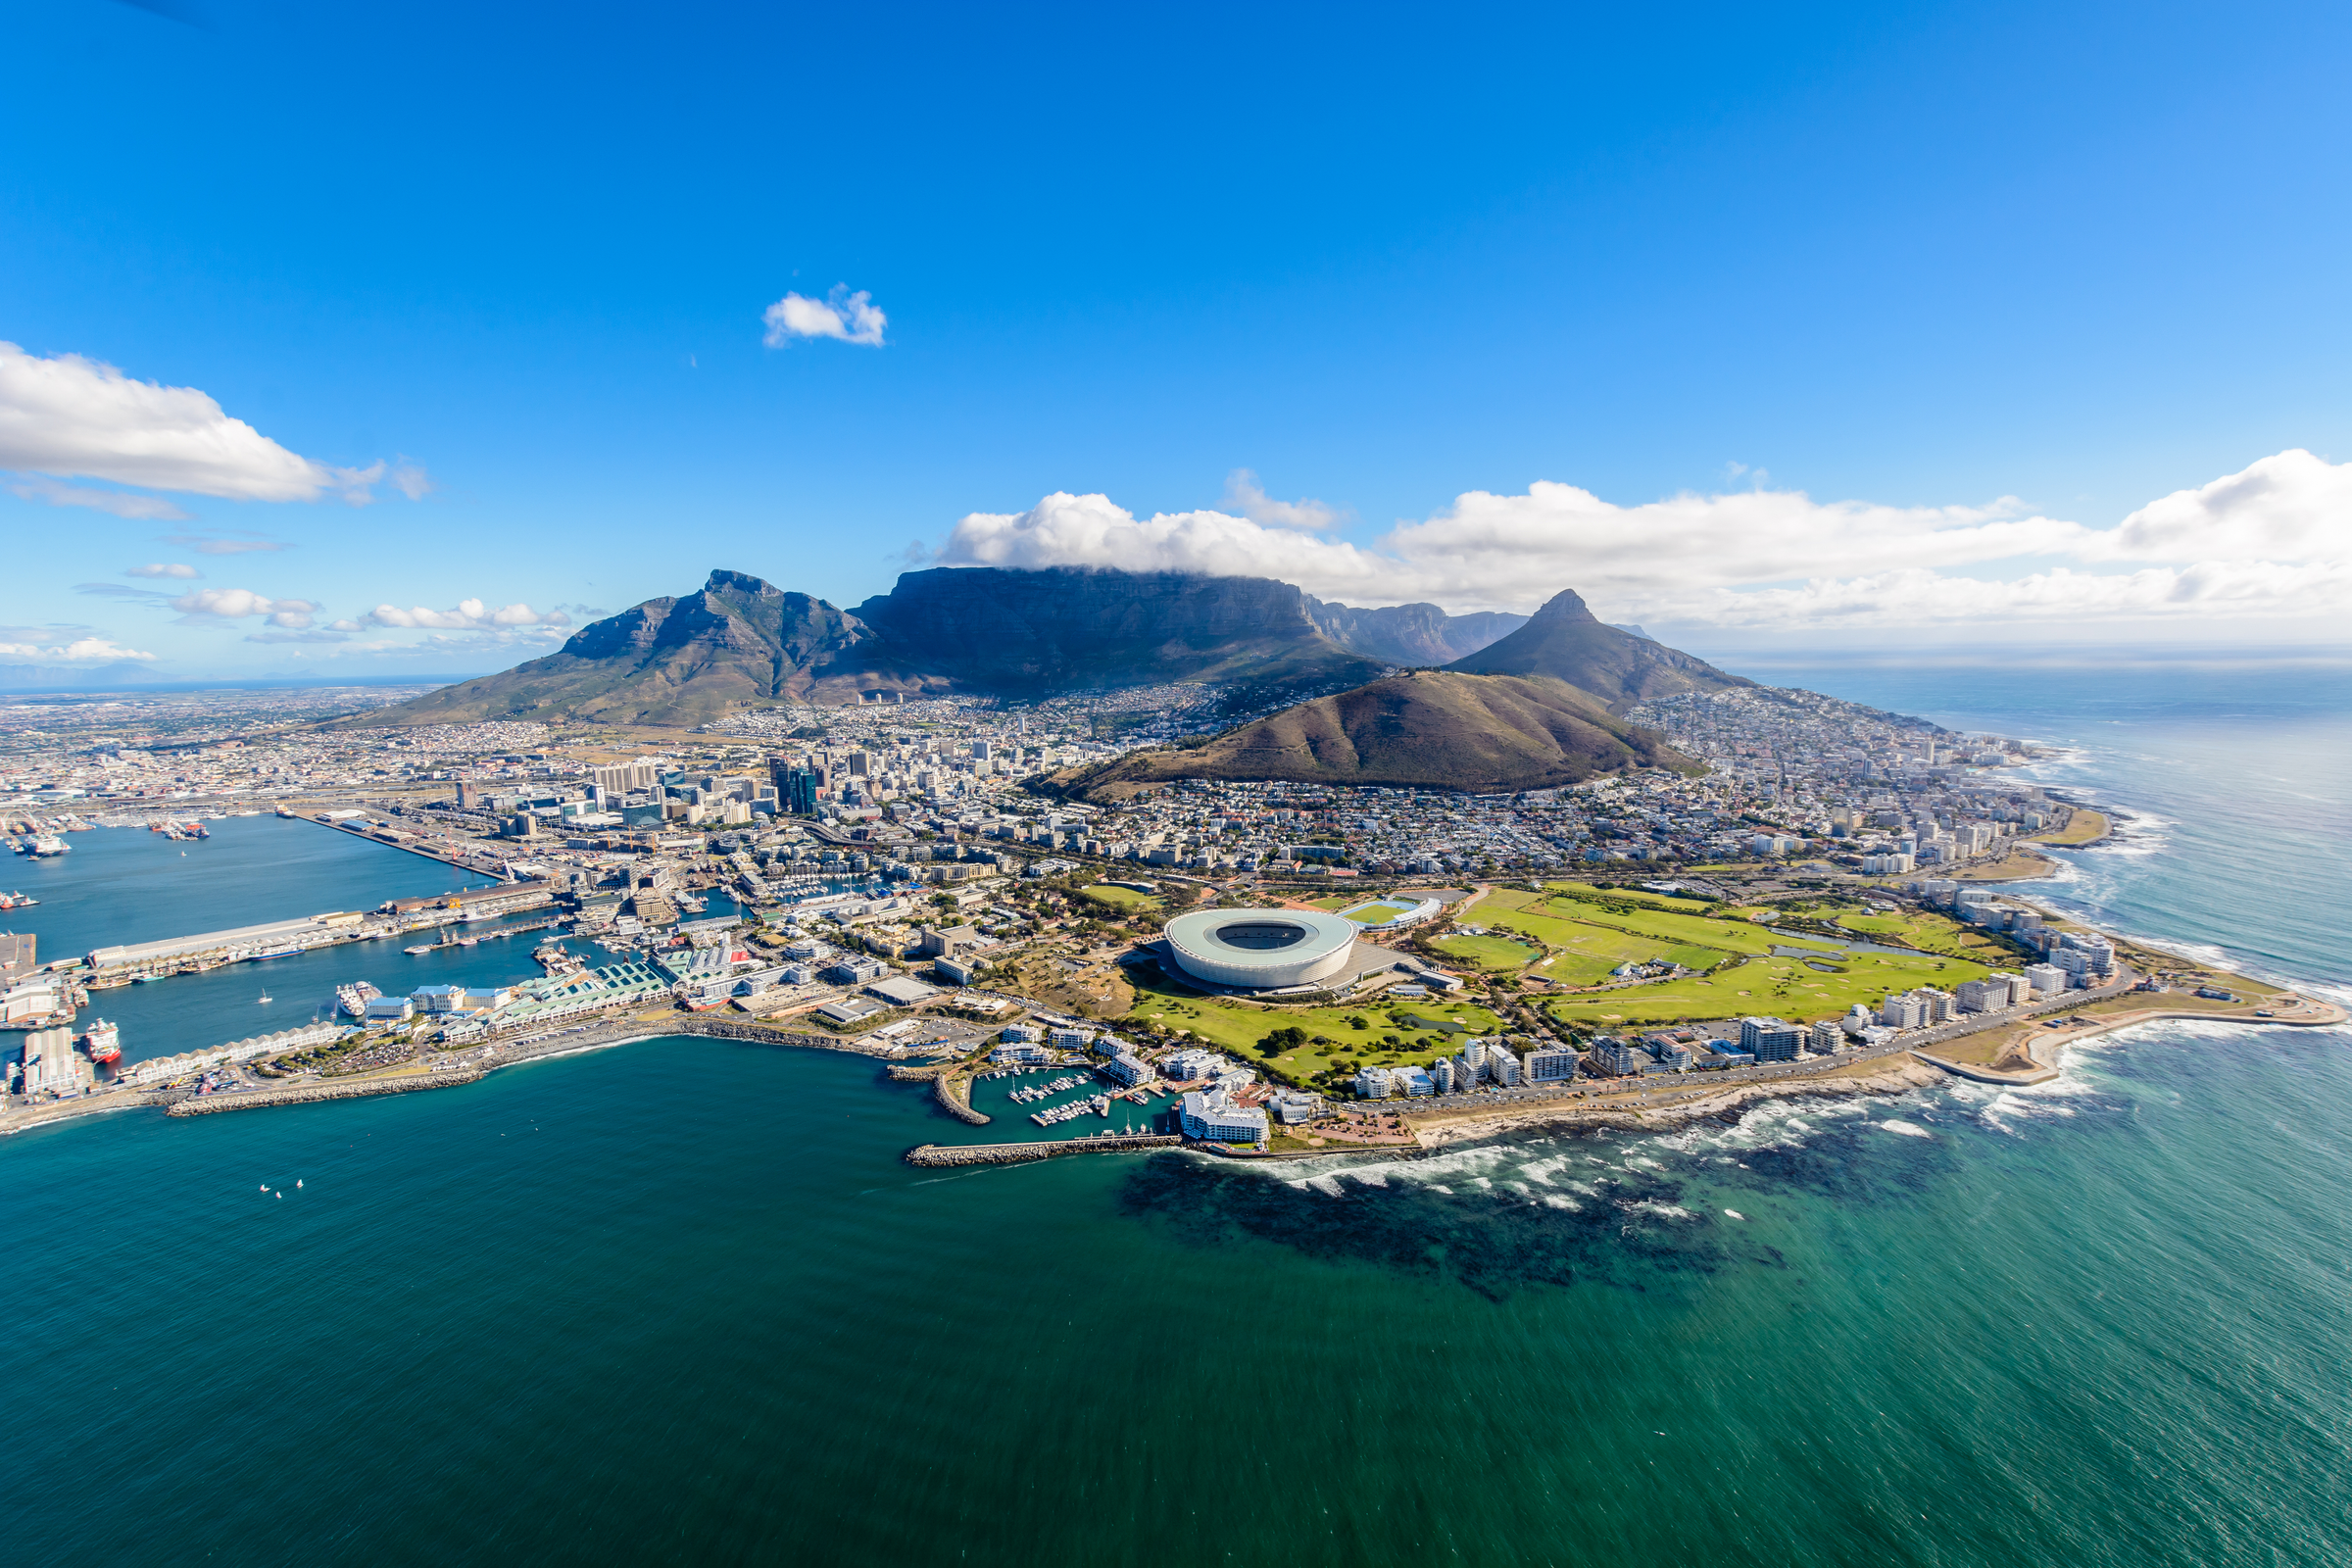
(1064, 628)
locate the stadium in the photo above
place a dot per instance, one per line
(1261, 950)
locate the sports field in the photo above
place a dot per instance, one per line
(1379, 912)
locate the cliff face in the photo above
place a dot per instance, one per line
(1565, 641)
(1076, 627)
(1410, 634)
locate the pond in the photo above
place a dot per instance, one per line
(1849, 944)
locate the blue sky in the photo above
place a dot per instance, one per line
(1818, 322)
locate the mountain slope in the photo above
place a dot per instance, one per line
(1435, 729)
(1410, 634)
(1564, 641)
(1077, 627)
(670, 663)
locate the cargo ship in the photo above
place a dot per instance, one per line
(104, 1043)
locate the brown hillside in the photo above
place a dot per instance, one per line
(1432, 728)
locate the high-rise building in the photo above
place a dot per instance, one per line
(622, 778)
(1770, 1038)
(798, 785)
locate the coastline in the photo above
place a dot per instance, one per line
(2014, 1050)
(633, 1030)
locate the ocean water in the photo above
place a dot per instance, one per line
(680, 1301)
(120, 884)
(2232, 781)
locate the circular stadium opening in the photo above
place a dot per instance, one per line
(1263, 936)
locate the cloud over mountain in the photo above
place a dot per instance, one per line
(2268, 541)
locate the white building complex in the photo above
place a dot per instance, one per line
(1261, 950)
(1214, 1116)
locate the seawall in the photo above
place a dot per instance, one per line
(303, 1094)
(938, 1155)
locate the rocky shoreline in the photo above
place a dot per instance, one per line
(1897, 1077)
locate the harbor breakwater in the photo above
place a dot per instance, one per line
(303, 1094)
(948, 1087)
(939, 1154)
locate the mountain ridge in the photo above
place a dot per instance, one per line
(739, 640)
(1565, 640)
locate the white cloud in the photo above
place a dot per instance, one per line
(235, 603)
(2058, 596)
(851, 317)
(411, 480)
(2270, 541)
(144, 508)
(469, 614)
(76, 417)
(161, 568)
(2291, 507)
(81, 649)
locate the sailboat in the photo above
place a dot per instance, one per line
(265, 996)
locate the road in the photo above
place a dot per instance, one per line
(1715, 1082)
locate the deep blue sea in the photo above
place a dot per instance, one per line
(681, 1302)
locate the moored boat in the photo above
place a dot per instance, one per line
(104, 1042)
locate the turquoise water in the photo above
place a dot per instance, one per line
(680, 1301)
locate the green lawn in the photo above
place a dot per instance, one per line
(1583, 952)
(1125, 900)
(1667, 902)
(1933, 932)
(1733, 934)
(1765, 985)
(1238, 1027)
(1488, 953)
